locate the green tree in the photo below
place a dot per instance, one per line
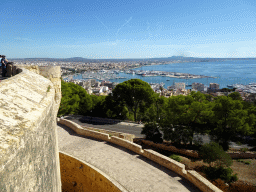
(196, 118)
(156, 111)
(115, 109)
(174, 125)
(235, 96)
(213, 153)
(229, 119)
(134, 93)
(75, 99)
(98, 107)
(151, 130)
(185, 116)
(198, 96)
(251, 120)
(209, 97)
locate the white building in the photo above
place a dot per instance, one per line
(197, 87)
(180, 86)
(104, 88)
(214, 86)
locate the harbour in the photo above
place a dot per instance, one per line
(225, 73)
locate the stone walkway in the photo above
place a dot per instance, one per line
(132, 171)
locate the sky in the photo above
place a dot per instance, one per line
(99, 29)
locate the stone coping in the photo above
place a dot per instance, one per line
(125, 136)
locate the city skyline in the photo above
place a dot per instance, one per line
(134, 29)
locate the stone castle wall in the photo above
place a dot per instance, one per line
(29, 155)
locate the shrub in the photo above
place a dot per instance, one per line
(220, 184)
(241, 188)
(152, 132)
(213, 152)
(175, 157)
(225, 174)
(247, 162)
(243, 161)
(244, 149)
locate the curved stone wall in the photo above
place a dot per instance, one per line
(29, 158)
(77, 176)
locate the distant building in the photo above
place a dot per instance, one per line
(180, 86)
(93, 82)
(86, 84)
(110, 85)
(197, 87)
(104, 88)
(97, 84)
(214, 86)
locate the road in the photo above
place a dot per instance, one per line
(124, 127)
(135, 129)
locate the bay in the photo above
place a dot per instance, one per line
(227, 72)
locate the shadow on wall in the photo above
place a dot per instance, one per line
(78, 176)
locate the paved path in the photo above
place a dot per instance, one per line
(133, 171)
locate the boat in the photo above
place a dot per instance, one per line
(230, 86)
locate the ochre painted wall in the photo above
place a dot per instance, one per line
(79, 176)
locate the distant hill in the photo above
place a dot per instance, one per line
(162, 59)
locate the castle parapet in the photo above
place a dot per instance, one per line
(29, 156)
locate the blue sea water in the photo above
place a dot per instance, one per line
(227, 73)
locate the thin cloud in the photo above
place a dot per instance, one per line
(101, 22)
(123, 25)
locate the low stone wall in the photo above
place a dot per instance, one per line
(179, 168)
(151, 144)
(199, 181)
(190, 153)
(79, 130)
(165, 161)
(78, 176)
(126, 136)
(242, 155)
(126, 144)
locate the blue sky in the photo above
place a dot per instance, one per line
(127, 28)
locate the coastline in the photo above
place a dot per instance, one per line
(225, 73)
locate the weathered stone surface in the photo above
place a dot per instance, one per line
(29, 159)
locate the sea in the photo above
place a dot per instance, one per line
(225, 73)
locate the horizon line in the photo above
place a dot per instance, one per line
(136, 58)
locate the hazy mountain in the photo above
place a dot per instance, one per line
(163, 59)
